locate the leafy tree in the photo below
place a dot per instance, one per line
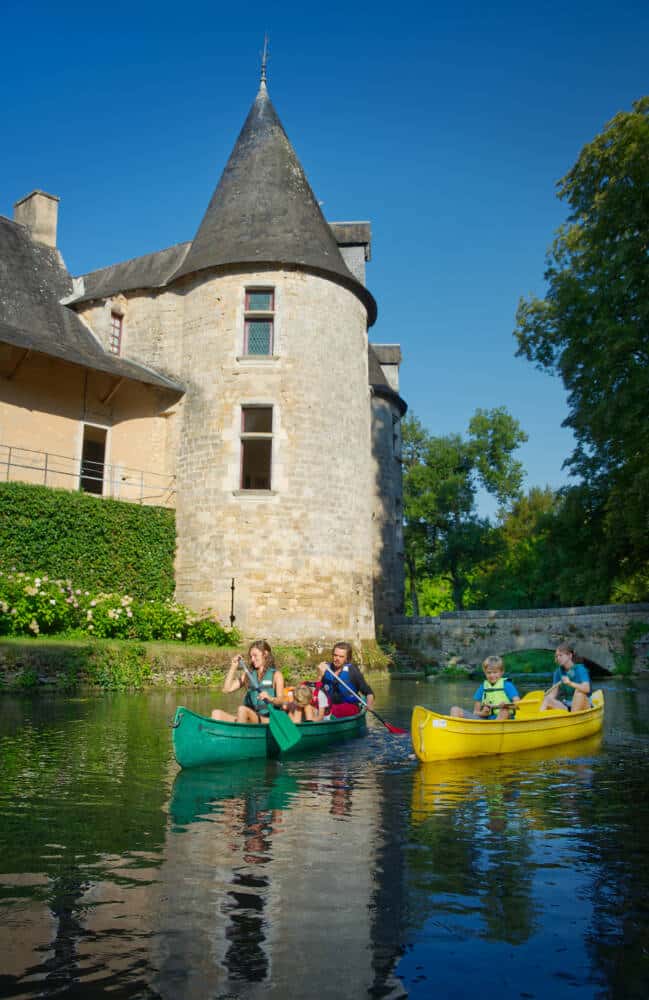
(433, 595)
(592, 329)
(443, 534)
(524, 572)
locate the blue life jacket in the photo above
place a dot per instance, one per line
(335, 691)
(256, 686)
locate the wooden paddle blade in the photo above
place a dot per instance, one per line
(285, 732)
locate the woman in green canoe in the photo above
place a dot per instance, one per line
(262, 682)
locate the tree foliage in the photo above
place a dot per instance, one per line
(443, 534)
(592, 329)
(524, 572)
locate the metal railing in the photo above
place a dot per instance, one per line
(117, 481)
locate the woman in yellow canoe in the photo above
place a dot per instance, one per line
(571, 687)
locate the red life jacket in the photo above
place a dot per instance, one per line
(317, 687)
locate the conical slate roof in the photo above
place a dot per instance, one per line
(264, 211)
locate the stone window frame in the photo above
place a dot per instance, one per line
(251, 315)
(249, 435)
(116, 332)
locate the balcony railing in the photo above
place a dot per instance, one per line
(117, 481)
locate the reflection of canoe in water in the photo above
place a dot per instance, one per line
(439, 737)
(198, 792)
(199, 740)
(440, 785)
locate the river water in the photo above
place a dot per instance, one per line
(354, 873)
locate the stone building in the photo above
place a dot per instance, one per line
(230, 375)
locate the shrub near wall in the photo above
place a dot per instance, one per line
(103, 545)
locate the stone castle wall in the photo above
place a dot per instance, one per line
(387, 520)
(301, 554)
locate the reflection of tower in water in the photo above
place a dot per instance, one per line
(245, 958)
(260, 858)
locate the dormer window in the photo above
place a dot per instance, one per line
(259, 322)
(116, 328)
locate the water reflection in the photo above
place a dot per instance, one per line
(80, 798)
(479, 817)
(356, 872)
(249, 798)
(278, 853)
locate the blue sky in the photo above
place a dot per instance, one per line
(446, 125)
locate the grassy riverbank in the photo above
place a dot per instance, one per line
(112, 664)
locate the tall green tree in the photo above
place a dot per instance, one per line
(524, 572)
(444, 536)
(592, 329)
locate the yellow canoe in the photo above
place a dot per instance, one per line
(441, 737)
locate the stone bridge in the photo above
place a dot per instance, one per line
(597, 634)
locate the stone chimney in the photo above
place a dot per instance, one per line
(39, 212)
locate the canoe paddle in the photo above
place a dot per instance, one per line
(284, 731)
(391, 729)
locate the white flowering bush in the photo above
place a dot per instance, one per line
(38, 605)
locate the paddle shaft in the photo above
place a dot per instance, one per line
(361, 701)
(255, 686)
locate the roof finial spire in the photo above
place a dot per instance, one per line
(264, 60)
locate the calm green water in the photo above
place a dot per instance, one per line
(354, 873)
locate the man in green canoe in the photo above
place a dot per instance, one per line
(343, 682)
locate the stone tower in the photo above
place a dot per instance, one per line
(275, 474)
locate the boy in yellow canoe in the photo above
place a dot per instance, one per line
(494, 698)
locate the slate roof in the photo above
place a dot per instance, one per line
(153, 270)
(33, 279)
(263, 210)
(379, 383)
(156, 270)
(350, 234)
(388, 354)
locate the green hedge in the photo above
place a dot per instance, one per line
(103, 545)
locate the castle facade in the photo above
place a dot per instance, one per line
(231, 376)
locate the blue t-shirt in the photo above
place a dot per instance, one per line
(577, 673)
(508, 688)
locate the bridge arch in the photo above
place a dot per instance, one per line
(596, 632)
(594, 654)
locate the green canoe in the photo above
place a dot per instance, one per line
(198, 792)
(199, 740)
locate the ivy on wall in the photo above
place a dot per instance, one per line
(104, 545)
